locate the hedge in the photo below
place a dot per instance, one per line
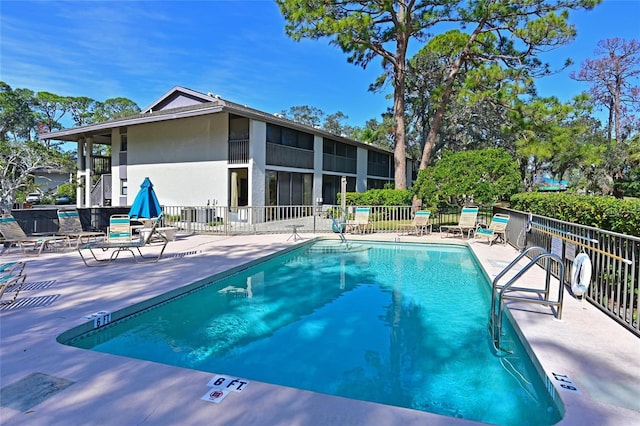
(379, 197)
(617, 215)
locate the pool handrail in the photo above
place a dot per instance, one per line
(498, 293)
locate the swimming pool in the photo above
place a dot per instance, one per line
(398, 324)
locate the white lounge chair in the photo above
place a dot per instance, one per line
(467, 222)
(120, 238)
(420, 223)
(360, 223)
(12, 279)
(497, 229)
(70, 226)
(13, 234)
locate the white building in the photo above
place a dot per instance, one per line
(195, 147)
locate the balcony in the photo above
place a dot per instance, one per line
(287, 156)
(239, 151)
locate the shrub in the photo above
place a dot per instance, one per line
(379, 197)
(612, 214)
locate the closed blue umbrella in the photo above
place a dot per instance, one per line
(146, 204)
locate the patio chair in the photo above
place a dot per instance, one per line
(467, 222)
(497, 229)
(12, 279)
(420, 223)
(70, 226)
(12, 234)
(146, 224)
(119, 239)
(360, 223)
(119, 230)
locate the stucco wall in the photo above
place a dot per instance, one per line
(185, 159)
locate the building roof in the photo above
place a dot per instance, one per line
(181, 102)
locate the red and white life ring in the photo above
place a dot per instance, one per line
(580, 274)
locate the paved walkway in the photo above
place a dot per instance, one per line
(46, 383)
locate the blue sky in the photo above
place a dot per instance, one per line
(237, 49)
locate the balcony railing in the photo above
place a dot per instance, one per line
(239, 151)
(335, 163)
(375, 169)
(287, 156)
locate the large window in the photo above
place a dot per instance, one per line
(288, 189)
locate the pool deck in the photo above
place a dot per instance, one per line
(46, 383)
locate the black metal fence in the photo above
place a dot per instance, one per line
(614, 287)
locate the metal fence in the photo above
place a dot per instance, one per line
(310, 219)
(614, 283)
(614, 287)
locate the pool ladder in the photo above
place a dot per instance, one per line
(338, 226)
(500, 293)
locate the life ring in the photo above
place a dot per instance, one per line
(580, 274)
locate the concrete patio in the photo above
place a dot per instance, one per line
(46, 383)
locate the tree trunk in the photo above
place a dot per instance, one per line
(400, 151)
(446, 96)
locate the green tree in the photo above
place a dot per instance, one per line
(505, 33)
(378, 133)
(114, 108)
(484, 176)
(50, 109)
(334, 123)
(366, 30)
(18, 161)
(613, 78)
(305, 114)
(17, 119)
(554, 137)
(82, 110)
(476, 112)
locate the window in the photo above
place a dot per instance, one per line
(123, 187)
(289, 137)
(123, 143)
(287, 188)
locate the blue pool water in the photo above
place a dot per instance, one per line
(397, 324)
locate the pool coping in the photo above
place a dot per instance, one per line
(108, 389)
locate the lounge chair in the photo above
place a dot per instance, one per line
(12, 279)
(467, 222)
(420, 223)
(360, 223)
(120, 238)
(497, 229)
(168, 231)
(12, 234)
(70, 226)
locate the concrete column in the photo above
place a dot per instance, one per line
(79, 193)
(362, 160)
(317, 169)
(87, 170)
(257, 162)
